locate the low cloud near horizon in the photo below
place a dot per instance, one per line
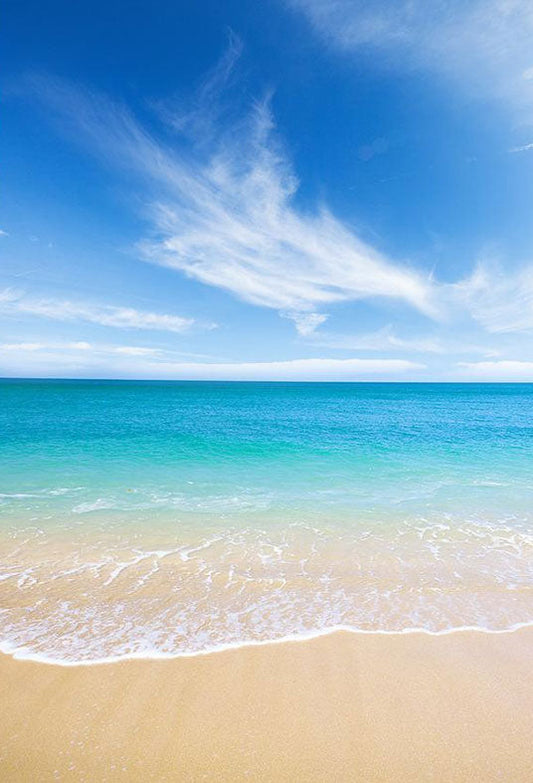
(74, 358)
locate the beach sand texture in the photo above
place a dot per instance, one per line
(343, 707)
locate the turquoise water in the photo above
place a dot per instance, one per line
(252, 511)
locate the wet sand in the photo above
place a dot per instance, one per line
(344, 707)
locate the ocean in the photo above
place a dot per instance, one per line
(158, 519)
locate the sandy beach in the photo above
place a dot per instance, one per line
(343, 707)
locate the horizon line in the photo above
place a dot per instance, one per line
(237, 380)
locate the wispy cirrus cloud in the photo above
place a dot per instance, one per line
(79, 346)
(523, 148)
(200, 117)
(14, 302)
(387, 339)
(85, 349)
(306, 323)
(483, 46)
(500, 300)
(226, 211)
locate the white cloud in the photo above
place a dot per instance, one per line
(504, 370)
(128, 350)
(306, 323)
(483, 46)
(199, 117)
(65, 360)
(523, 148)
(386, 339)
(21, 347)
(136, 350)
(238, 229)
(295, 369)
(227, 213)
(16, 302)
(502, 301)
(3, 233)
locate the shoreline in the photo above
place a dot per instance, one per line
(343, 706)
(18, 655)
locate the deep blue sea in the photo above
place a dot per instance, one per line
(167, 518)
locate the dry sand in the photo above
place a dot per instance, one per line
(346, 707)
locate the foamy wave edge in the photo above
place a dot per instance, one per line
(26, 655)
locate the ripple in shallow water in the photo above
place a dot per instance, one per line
(94, 592)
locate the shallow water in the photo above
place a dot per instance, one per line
(173, 518)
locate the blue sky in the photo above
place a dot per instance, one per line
(295, 189)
